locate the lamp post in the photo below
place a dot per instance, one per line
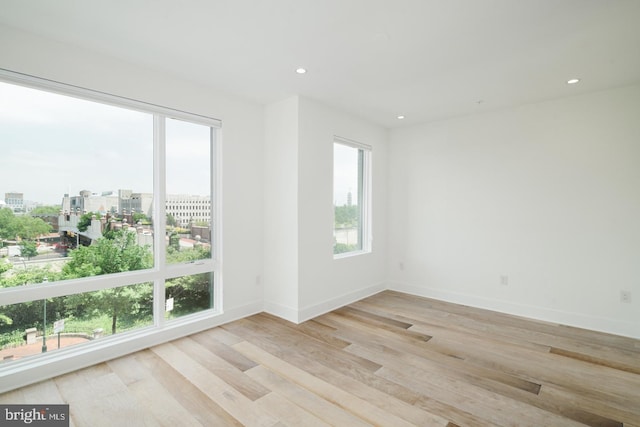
(44, 330)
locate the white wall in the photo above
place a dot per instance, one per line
(325, 283)
(281, 209)
(242, 139)
(546, 194)
(302, 280)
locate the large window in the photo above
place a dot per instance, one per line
(107, 216)
(351, 195)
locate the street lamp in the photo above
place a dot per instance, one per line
(44, 330)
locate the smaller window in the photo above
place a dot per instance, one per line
(351, 197)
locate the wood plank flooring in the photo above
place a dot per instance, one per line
(389, 360)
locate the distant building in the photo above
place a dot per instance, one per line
(87, 201)
(187, 209)
(14, 201)
(108, 202)
(72, 237)
(135, 202)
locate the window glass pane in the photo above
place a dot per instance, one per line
(76, 200)
(188, 200)
(79, 318)
(347, 193)
(71, 172)
(188, 294)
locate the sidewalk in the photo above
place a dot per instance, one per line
(35, 348)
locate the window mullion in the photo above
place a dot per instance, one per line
(160, 217)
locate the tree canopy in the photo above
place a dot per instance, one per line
(4, 266)
(85, 220)
(45, 210)
(123, 306)
(140, 218)
(8, 225)
(28, 249)
(346, 215)
(21, 227)
(116, 254)
(171, 221)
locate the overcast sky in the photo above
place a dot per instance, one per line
(345, 170)
(52, 144)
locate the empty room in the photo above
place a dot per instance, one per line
(313, 213)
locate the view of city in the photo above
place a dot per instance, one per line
(347, 192)
(46, 244)
(54, 227)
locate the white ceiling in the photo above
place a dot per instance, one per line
(425, 59)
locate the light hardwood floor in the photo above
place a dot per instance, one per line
(391, 359)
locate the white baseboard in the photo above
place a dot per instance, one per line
(309, 312)
(579, 320)
(281, 311)
(315, 310)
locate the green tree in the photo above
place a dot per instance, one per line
(45, 210)
(28, 249)
(5, 320)
(190, 293)
(30, 228)
(8, 224)
(186, 255)
(85, 220)
(5, 265)
(174, 243)
(124, 306)
(18, 276)
(27, 314)
(107, 256)
(21, 227)
(346, 216)
(340, 248)
(140, 218)
(171, 221)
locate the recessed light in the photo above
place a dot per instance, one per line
(400, 117)
(572, 81)
(301, 70)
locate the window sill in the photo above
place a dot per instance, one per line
(350, 254)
